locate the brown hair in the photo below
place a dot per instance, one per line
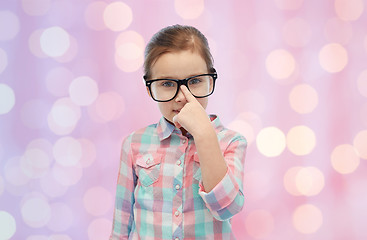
(176, 38)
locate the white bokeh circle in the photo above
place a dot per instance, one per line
(7, 98)
(8, 225)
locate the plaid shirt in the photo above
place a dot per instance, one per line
(159, 190)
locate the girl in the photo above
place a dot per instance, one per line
(182, 177)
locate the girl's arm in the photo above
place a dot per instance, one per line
(123, 213)
(222, 173)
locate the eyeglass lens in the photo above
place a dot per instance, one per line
(200, 86)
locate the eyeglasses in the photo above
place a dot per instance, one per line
(164, 90)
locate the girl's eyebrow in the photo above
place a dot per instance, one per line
(169, 77)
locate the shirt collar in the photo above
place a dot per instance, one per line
(165, 128)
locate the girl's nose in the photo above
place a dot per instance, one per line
(180, 96)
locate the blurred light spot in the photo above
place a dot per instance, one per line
(3, 60)
(117, 16)
(259, 224)
(307, 219)
(33, 113)
(244, 128)
(349, 10)
(9, 25)
(280, 64)
(34, 43)
(97, 201)
(88, 152)
(36, 212)
(301, 140)
(62, 217)
(36, 7)
(309, 181)
(67, 176)
(303, 98)
(67, 151)
(93, 15)
(59, 237)
(270, 141)
(360, 143)
(251, 100)
(288, 4)
(71, 52)
(7, 98)
(251, 118)
(362, 83)
(289, 181)
(129, 51)
(99, 229)
(41, 143)
(248, 124)
(58, 81)
(189, 9)
(8, 225)
(109, 106)
(345, 159)
(297, 32)
(13, 173)
(51, 187)
(35, 163)
(365, 44)
(83, 91)
(63, 117)
(55, 41)
(129, 54)
(333, 57)
(338, 31)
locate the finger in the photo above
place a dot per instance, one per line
(188, 95)
(175, 121)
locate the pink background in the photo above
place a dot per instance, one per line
(292, 79)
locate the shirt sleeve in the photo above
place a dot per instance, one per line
(227, 199)
(123, 212)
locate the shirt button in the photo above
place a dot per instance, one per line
(177, 213)
(183, 141)
(178, 162)
(177, 239)
(148, 161)
(177, 187)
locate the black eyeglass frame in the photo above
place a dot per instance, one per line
(180, 82)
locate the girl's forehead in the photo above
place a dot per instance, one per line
(179, 64)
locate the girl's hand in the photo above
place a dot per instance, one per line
(192, 116)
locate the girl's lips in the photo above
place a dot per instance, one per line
(176, 111)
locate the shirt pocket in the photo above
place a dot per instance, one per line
(196, 170)
(148, 168)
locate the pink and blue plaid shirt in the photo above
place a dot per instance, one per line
(159, 191)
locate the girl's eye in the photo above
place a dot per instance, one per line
(168, 84)
(194, 81)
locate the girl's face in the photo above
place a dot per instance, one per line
(178, 65)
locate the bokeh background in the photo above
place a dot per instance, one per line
(292, 79)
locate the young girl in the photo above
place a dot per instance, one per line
(182, 177)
